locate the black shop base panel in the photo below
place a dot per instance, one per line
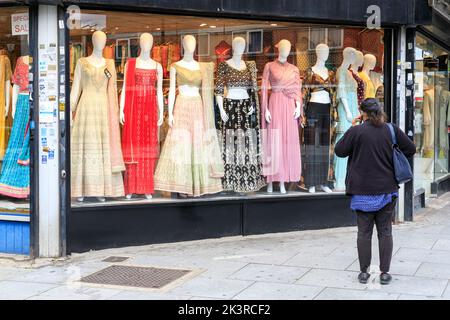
(115, 226)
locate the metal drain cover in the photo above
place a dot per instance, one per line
(115, 259)
(137, 277)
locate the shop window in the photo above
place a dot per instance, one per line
(14, 130)
(219, 141)
(431, 113)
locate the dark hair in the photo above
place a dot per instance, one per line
(374, 111)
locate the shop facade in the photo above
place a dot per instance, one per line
(106, 172)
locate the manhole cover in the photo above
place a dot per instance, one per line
(116, 259)
(138, 277)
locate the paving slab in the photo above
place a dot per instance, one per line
(423, 255)
(434, 270)
(278, 291)
(415, 285)
(75, 292)
(346, 294)
(15, 290)
(332, 262)
(333, 279)
(214, 288)
(398, 267)
(269, 273)
(442, 244)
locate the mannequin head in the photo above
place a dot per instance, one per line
(370, 62)
(359, 61)
(239, 46)
(284, 49)
(322, 52)
(146, 42)
(189, 44)
(99, 40)
(349, 56)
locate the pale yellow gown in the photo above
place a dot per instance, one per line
(97, 161)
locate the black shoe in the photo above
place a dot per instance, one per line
(385, 279)
(363, 277)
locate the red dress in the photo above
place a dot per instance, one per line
(140, 132)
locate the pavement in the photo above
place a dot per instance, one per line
(309, 265)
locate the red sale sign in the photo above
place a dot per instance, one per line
(19, 24)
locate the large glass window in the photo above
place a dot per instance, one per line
(432, 113)
(169, 107)
(14, 118)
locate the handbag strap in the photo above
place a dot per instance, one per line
(394, 137)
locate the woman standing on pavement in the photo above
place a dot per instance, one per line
(371, 182)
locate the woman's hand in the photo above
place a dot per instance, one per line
(357, 120)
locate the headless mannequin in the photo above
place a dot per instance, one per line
(237, 63)
(349, 59)
(322, 53)
(323, 97)
(15, 91)
(284, 48)
(359, 62)
(97, 60)
(144, 61)
(188, 62)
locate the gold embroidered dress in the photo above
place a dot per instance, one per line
(5, 75)
(97, 161)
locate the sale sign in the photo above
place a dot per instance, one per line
(19, 24)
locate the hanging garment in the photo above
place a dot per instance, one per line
(15, 175)
(281, 144)
(369, 86)
(361, 91)
(97, 161)
(320, 131)
(347, 89)
(241, 136)
(223, 51)
(140, 131)
(428, 123)
(109, 52)
(5, 75)
(190, 160)
(444, 119)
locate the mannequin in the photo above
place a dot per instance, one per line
(96, 166)
(428, 118)
(319, 96)
(238, 101)
(15, 175)
(140, 135)
(237, 63)
(190, 162)
(5, 100)
(355, 72)
(286, 100)
(370, 62)
(347, 109)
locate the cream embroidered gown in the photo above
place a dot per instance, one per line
(97, 161)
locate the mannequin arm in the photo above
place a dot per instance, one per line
(7, 96)
(220, 90)
(123, 97)
(223, 114)
(160, 94)
(172, 93)
(265, 86)
(298, 110)
(16, 90)
(426, 110)
(349, 116)
(76, 91)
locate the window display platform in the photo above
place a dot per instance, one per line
(441, 186)
(95, 226)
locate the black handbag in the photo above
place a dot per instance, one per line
(402, 168)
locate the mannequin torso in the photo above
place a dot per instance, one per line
(320, 96)
(237, 93)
